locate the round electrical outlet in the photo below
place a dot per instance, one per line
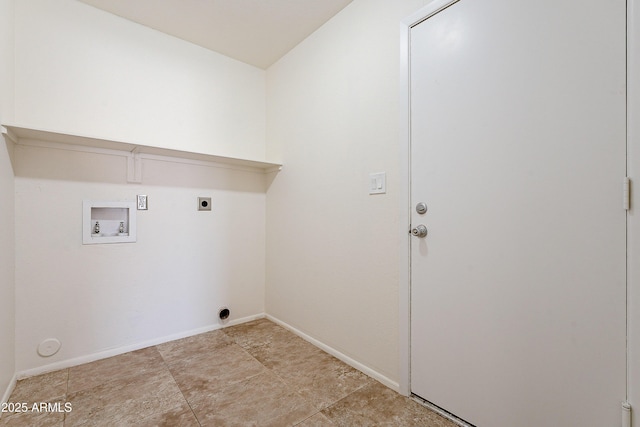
(204, 203)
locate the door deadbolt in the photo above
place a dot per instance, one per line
(419, 231)
(421, 208)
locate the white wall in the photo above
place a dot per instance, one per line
(7, 300)
(184, 266)
(80, 70)
(333, 117)
(332, 249)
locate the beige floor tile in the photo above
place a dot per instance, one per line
(33, 419)
(322, 379)
(377, 405)
(178, 350)
(92, 374)
(181, 416)
(256, 374)
(257, 333)
(263, 400)
(41, 388)
(284, 352)
(313, 373)
(211, 371)
(51, 415)
(125, 401)
(318, 420)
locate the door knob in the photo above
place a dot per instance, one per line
(419, 231)
(421, 208)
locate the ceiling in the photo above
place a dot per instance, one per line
(258, 32)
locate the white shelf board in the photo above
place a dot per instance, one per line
(18, 133)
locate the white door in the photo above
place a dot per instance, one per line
(518, 151)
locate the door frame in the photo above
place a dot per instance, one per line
(633, 218)
(404, 310)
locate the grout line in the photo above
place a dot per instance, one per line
(66, 396)
(166, 365)
(275, 374)
(310, 416)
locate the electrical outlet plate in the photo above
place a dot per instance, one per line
(142, 202)
(204, 203)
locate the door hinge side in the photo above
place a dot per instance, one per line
(626, 193)
(626, 414)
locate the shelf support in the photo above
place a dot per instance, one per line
(134, 168)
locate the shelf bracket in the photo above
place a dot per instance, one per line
(134, 167)
(9, 134)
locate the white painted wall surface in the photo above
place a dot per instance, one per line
(633, 256)
(83, 71)
(7, 258)
(184, 266)
(332, 249)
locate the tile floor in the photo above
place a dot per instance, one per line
(254, 374)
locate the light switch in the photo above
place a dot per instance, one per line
(378, 183)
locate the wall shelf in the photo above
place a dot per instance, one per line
(134, 152)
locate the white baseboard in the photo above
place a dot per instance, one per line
(8, 391)
(64, 364)
(69, 363)
(346, 359)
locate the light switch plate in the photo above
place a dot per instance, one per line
(378, 183)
